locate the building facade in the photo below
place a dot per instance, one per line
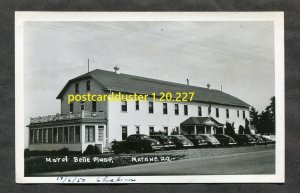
(80, 124)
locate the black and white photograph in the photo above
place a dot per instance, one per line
(149, 97)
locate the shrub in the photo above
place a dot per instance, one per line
(91, 150)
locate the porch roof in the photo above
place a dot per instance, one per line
(201, 121)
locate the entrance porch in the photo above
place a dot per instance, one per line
(201, 125)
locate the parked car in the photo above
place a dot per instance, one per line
(180, 141)
(259, 140)
(164, 141)
(197, 140)
(138, 143)
(225, 140)
(268, 139)
(210, 139)
(243, 139)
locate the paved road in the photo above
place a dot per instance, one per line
(261, 162)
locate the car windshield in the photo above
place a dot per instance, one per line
(144, 137)
(180, 137)
(205, 136)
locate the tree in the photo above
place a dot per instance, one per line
(254, 117)
(241, 129)
(266, 119)
(247, 127)
(229, 130)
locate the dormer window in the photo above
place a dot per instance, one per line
(77, 88)
(88, 85)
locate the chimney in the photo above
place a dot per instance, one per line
(117, 69)
(187, 81)
(208, 85)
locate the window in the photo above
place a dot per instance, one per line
(71, 134)
(238, 113)
(177, 129)
(50, 135)
(151, 109)
(199, 111)
(217, 112)
(100, 133)
(151, 130)
(45, 136)
(244, 116)
(77, 134)
(82, 106)
(124, 132)
(66, 134)
(31, 136)
(94, 106)
(88, 85)
(77, 88)
(40, 138)
(137, 129)
(36, 131)
(35, 135)
(176, 109)
(166, 130)
(54, 135)
(71, 107)
(227, 113)
(137, 105)
(60, 133)
(185, 110)
(165, 108)
(124, 106)
(89, 133)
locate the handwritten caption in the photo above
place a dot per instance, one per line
(104, 179)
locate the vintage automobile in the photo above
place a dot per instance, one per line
(243, 139)
(210, 139)
(180, 141)
(137, 143)
(197, 140)
(259, 140)
(225, 140)
(164, 141)
(268, 139)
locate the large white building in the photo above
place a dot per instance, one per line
(99, 123)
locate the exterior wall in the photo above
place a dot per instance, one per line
(142, 117)
(95, 88)
(57, 146)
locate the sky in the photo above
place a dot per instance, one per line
(237, 55)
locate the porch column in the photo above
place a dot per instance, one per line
(205, 129)
(212, 130)
(223, 128)
(179, 130)
(195, 130)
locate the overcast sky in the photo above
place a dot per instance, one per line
(237, 55)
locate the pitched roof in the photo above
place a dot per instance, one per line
(200, 121)
(137, 84)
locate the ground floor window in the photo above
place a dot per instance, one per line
(77, 134)
(124, 132)
(90, 133)
(137, 129)
(67, 134)
(151, 130)
(166, 130)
